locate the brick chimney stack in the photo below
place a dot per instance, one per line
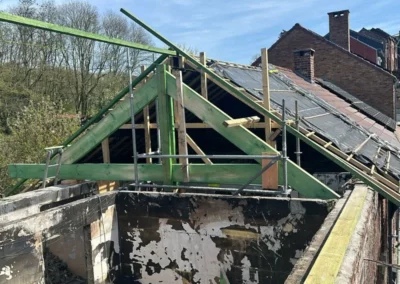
(304, 63)
(339, 28)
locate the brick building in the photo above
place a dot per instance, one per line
(336, 63)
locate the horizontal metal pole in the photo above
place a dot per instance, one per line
(205, 188)
(243, 157)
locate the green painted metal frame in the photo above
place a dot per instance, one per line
(216, 173)
(387, 193)
(167, 127)
(5, 17)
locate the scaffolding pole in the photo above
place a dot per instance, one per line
(284, 147)
(298, 152)
(135, 154)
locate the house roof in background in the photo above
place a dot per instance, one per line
(358, 104)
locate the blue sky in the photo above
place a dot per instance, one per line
(235, 30)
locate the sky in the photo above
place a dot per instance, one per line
(236, 30)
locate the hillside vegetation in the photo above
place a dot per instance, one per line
(49, 81)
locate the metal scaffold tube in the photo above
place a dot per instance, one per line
(284, 147)
(239, 157)
(135, 154)
(298, 152)
(207, 188)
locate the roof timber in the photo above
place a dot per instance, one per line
(110, 123)
(100, 114)
(5, 17)
(247, 141)
(215, 173)
(386, 191)
(233, 90)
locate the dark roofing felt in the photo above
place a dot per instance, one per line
(340, 123)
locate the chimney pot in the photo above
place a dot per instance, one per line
(339, 28)
(304, 63)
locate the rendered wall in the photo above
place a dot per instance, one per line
(213, 238)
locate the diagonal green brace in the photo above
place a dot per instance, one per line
(110, 123)
(5, 17)
(248, 142)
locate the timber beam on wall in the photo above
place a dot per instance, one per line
(5, 17)
(214, 173)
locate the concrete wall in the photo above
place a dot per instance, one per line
(21, 241)
(206, 238)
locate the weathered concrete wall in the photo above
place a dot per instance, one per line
(21, 255)
(206, 238)
(70, 248)
(365, 244)
(22, 205)
(105, 247)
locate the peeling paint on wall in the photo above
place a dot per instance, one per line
(196, 239)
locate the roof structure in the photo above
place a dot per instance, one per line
(322, 127)
(323, 112)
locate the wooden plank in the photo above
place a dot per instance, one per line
(266, 95)
(110, 123)
(105, 147)
(270, 176)
(246, 121)
(146, 122)
(326, 267)
(248, 142)
(359, 147)
(197, 149)
(180, 111)
(310, 134)
(5, 17)
(166, 118)
(203, 76)
(215, 173)
(275, 134)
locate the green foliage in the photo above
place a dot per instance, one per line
(38, 125)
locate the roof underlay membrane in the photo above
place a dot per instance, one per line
(346, 134)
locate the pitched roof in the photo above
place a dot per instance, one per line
(297, 26)
(322, 112)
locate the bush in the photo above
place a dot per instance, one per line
(37, 126)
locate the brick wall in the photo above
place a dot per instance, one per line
(357, 76)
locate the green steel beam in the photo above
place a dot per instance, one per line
(16, 187)
(110, 123)
(216, 173)
(386, 192)
(247, 141)
(5, 17)
(166, 119)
